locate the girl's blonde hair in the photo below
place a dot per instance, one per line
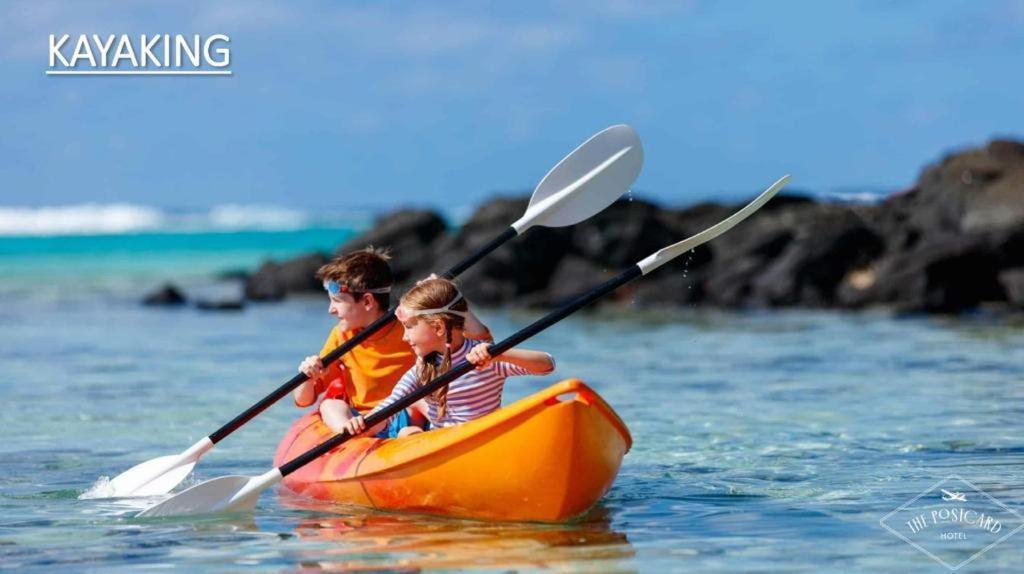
(435, 294)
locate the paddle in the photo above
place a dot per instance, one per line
(585, 182)
(239, 493)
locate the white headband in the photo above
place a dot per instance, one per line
(404, 314)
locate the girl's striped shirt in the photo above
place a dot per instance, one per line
(470, 396)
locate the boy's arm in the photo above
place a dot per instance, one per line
(306, 393)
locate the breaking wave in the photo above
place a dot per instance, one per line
(850, 196)
(124, 218)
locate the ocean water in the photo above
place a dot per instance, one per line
(763, 441)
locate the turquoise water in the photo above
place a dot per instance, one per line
(116, 268)
(164, 254)
(763, 442)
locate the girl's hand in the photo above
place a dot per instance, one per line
(312, 367)
(479, 356)
(431, 276)
(355, 425)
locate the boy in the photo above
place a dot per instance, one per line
(359, 286)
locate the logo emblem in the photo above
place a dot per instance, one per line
(948, 527)
(957, 496)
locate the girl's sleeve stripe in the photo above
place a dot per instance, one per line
(405, 386)
(510, 370)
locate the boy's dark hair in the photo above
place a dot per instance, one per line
(361, 270)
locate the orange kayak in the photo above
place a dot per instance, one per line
(548, 457)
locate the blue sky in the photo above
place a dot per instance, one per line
(386, 104)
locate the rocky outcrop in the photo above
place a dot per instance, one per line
(949, 238)
(498, 277)
(273, 281)
(165, 295)
(1012, 281)
(209, 298)
(953, 241)
(220, 305)
(409, 235)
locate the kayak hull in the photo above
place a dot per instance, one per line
(549, 457)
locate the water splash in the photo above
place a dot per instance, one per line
(102, 488)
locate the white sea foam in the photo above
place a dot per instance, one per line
(122, 218)
(85, 219)
(842, 196)
(234, 216)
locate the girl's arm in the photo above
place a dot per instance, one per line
(535, 362)
(475, 328)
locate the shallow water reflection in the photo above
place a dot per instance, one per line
(362, 539)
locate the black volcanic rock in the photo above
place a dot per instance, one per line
(409, 235)
(1012, 281)
(573, 275)
(547, 265)
(943, 275)
(220, 304)
(624, 233)
(166, 294)
(953, 241)
(949, 237)
(975, 191)
(272, 281)
(523, 266)
(824, 243)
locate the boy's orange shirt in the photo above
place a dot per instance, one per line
(372, 368)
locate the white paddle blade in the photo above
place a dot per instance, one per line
(586, 181)
(158, 475)
(151, 478)
(204, 497)
(224, 494)
(663, 256)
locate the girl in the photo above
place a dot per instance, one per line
(433, 314)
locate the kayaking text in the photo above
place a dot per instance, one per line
(143, 54)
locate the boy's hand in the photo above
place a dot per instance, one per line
(479, 356)
(355, 425)
(312, 367)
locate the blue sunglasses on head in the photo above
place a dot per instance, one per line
(334, 289)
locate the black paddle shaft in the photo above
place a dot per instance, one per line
(347, 346)
(464, 366)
